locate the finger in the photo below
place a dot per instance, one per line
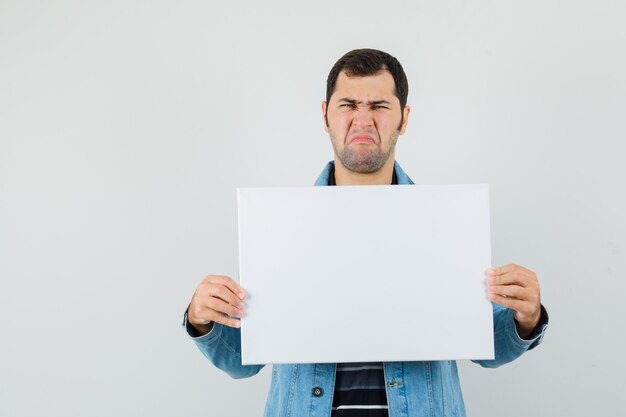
(222, 307)
(201, 314)
(512, 303)
(208, 316)
(523, 309)
(514, 291)
(521, 278)
(225, 294)
(228, 282)
(505, 269)
(225, 320)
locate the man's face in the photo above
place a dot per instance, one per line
(364, 121)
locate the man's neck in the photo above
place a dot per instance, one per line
(383, 176)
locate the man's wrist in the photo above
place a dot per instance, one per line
(197, 330)
(530, 332)
(202, 329)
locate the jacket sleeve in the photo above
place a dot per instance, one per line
(222, 346)
(508, 344)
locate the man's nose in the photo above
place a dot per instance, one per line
(362, 118)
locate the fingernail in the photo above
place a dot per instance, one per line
(491, 296)
(242, 295)
(237, 323)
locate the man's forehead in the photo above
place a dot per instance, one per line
(379, 86)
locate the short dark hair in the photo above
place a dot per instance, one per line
(364, 62)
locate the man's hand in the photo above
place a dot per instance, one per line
(216, 296)
(517, 288)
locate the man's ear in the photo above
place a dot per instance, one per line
(324, 108)
(405, 118)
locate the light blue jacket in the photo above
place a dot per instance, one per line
(413, 388)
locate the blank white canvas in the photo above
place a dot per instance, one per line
(367, 273)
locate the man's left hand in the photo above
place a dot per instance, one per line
(517, 288)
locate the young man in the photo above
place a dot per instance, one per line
(364, 113)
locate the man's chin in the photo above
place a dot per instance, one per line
(361, 163)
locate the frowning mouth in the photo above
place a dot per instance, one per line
(362, 139)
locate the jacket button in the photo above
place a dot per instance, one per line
(318, 392)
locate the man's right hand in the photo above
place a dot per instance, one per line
(215, 297)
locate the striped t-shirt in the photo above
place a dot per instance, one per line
(360, 390)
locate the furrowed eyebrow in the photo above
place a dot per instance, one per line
(376, 102)
(369, 103)
(349, 101)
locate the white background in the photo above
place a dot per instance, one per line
(125, 127)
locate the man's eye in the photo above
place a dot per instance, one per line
(379, 106)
